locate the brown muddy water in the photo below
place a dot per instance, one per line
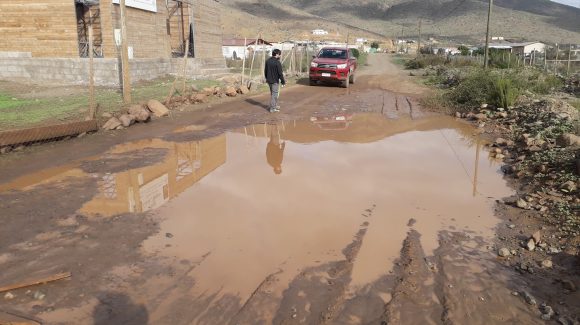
(246, 213)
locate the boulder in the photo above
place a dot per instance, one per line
(231, 91)
(157, 108)
(127, 120)
(531, 245)
(243, 90)
(199, 98)
(112, 124)
(140, 113)
(537, 237)
(569, 140)
(208, 91)
(480, 117)
(194, 88)
(504, 252)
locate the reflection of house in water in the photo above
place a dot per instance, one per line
(146, 188)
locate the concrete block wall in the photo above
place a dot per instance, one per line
(76, 70)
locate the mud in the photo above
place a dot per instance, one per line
(351, 207)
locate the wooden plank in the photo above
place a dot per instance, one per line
(33, 282)
(46, 132)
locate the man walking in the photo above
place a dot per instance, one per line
(274, 77)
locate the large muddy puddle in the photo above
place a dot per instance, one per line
(274, 200)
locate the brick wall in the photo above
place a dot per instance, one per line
(44, 28)
(208, 30)
(146, 30)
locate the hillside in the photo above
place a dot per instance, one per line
(462, 20)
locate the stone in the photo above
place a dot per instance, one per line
(140, 113)
(484, 106)
(521, 203)
(537, 237)
(112, 124)
(127, 120)
(158, 109)
(568, 140)
(38, 295)
(5, 150)
(194, 88)
(480, 117)
(528, 298)
(169, 235)
(569, 285)
(231, 91)
(499, 156)
(502, 114)
(531, 245)
(568, 187)
(512, 226)
(566, 320)
(500, 141)
(547, 312)
(199, 98)
(107, 115)
(504, 252)
(547, 264)
(208, 91)
(243, 90)
(9, 296)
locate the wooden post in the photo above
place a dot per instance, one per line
(509, 59)
(485, 64)
(301, 59)
(263, 59)
(569, 59)
(184, 75)
(545, 59)
(125, 55)
(92, 105)
(244, 60)
(253, 57)
(419, 44)
(556, 62)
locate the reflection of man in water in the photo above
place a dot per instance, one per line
(275, 150)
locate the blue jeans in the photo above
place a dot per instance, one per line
(275, 93)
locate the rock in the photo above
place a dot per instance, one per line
(566, 320)
(169, 235)
(500, 141)
(107, 115)
(457, 115)
(199, 98)
(547, 264)
(157, 108)
(140, 113)
(38, 295)
(9, 296)
(231, 91)
(569, 285)
(112, 124)
(531, 245)
(480, 117)
(499, 156)
(521, 203)
(127, 120)
(568, 140)
(502, 114)
(568, 187)
(512, 226)
(529, 299)
(194, 88)
(208, 91)
(504, 252)
(217, 90)
(484, 106)
(547, 312)
(5, 150)
(537, 237)
(243, 90)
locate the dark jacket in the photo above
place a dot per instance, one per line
(273, 71)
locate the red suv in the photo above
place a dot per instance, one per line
(333, 64)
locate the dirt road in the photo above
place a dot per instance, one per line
(352, 206)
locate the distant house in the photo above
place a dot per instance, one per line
(319, 32)
(239, 48)
(519, 48)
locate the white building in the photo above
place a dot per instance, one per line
(319, 32)
(519, 48)
(238, 48)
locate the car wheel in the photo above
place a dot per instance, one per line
(352, 78)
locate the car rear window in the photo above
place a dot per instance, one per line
(332, 54)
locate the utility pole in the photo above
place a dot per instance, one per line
(419, 44)
(125, 56)
(486, 59)
(569, 59)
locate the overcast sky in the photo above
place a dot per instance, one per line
(574, 3)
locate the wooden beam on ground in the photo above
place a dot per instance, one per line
(37, 281)
(13, 137)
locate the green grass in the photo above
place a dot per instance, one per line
(22, 113)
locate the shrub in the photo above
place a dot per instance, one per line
(375, 45)
(471, 91)
(415, 64)
(355, 52)
(504, 92)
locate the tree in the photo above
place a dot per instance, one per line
(375, 45)
(463, 49)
